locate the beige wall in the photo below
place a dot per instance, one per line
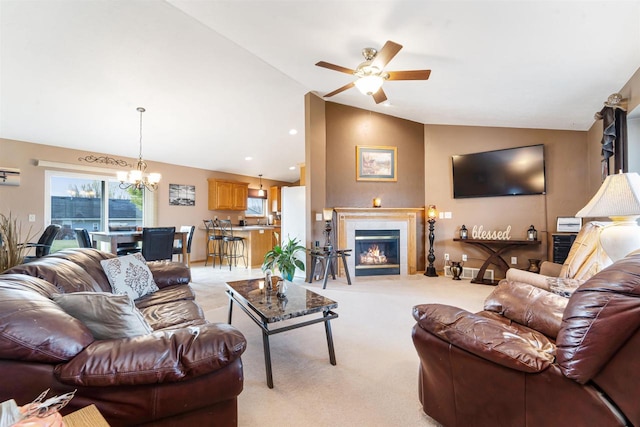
(29, 197)
(565, 169)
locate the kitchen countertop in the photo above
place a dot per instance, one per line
(248, 227)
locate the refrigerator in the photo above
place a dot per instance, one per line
(293, 219)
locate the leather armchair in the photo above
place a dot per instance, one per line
(533, 358)
(186, 372)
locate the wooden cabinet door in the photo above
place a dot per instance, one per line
(275, 200)
(240, 195)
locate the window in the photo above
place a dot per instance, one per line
(255, 207)
(89, 201)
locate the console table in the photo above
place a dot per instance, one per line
(495, 249)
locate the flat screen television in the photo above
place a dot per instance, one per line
(509, 172)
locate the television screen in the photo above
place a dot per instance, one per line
(510, 172)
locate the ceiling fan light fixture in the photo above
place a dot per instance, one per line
(368, 85)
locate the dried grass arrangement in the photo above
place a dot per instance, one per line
(11, 248)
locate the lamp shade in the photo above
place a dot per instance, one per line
(327, 214)
(618, 196)
(619, 199)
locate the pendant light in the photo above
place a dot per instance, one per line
(138, 178)
(261, 191)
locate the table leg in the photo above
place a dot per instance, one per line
(114, 245)
(332, 352)
(185, 259)
(327, 265)
(314, 261)
(230, 309)
(267, 358)
(346, 270)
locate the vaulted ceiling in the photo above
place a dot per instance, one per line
(225, 80)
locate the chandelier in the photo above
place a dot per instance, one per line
(138, 178)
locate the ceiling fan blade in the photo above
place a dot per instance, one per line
(334, 67)
(342, 89)
(409, 75)
(386, 54)
(379, 96)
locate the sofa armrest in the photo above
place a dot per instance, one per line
(533, 279)
(552, 269)
(169, 273)
(512, 346)
(163, 356)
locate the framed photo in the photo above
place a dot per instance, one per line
(182, 195)
(379, 163)
(568, 224)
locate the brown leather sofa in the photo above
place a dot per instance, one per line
(533, 358)
(186, 372)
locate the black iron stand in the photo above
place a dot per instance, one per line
(431, 270)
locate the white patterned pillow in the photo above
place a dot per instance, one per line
(129, 275)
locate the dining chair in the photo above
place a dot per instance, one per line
(233, 245)
(177, 247)
(157, 243)
(83, 238)
(43, 246)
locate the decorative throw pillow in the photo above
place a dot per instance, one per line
(129, 275)
(107, 316)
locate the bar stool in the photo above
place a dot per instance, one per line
(233, 245)
(214, 242)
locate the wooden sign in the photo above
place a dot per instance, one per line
(479, 233)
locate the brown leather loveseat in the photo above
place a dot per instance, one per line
(533, 358)
(185, 371)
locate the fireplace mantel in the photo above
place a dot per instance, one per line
(404, 219)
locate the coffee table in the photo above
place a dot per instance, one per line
(265, 308)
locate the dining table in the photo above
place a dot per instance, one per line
(115, 237)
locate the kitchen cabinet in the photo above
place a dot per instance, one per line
(228, 195)
(275, 199)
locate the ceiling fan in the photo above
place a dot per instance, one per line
(371, 72)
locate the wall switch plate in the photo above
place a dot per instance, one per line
(318, 216)
(447, 215)
(446, 257)
(441, 215)
(464, 257)
(514, 260)
(32, 218)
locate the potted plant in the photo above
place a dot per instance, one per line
(11, 250)
(284, 258)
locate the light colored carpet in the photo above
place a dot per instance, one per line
(375, 381)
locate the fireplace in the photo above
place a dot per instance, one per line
(377, 252)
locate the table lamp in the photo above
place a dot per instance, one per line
(619, 199)
(327, 215)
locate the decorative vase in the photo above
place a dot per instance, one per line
(534, 265)
(282, 289)
(456, 269)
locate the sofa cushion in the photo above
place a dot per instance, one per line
(129, 275)
(528, 305)
(585, 257)
(89, 259)
(64, 274)
(32, 327)
(107, 316)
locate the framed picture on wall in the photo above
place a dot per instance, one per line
(376, 163)
(182, 195)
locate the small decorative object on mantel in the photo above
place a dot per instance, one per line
(377, 202)
(532, 233)
(464, 233)
(456, 269)
(478, 232)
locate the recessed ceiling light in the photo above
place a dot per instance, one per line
(387, 104)
(292, 168)
(293, 132)
(248, 158)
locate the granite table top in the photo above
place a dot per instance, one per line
(298, 302)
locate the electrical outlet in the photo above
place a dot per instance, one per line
(464, 257)
(228, 216)
(446, 257)
(32, 218)
(514, 260)
(447, 215)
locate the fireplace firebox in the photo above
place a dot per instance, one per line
(377, 252)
